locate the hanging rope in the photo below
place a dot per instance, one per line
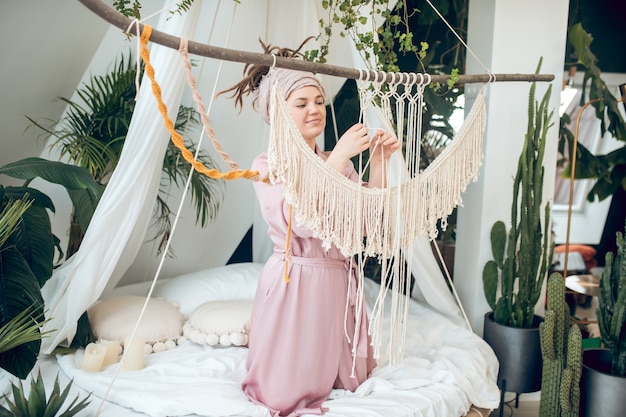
(197, 98)
(169, 125)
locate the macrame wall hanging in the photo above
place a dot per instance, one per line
(381, 222)
(361, 222)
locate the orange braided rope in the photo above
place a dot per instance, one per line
(169, 125)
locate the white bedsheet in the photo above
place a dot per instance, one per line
(446, 370)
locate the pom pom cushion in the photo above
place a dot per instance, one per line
(224, 323)
(115, 319)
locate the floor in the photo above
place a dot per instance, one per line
(584, 314)
(527, 408)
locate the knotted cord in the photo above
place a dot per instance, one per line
(169, 125)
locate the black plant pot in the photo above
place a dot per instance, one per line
(519, 353)
(601, 394)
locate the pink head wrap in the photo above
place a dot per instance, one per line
(288, 80)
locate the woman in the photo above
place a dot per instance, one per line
(300, 339)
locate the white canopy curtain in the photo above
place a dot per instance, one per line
(122, 217)
(118, 228)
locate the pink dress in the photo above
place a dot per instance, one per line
(298, 348)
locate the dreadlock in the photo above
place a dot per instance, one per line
(254, 73)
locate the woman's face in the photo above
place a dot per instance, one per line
(309, 112)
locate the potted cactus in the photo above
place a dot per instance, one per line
(561, 348)
(603, 382)
(513, 279)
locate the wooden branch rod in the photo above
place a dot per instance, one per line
(117, 19)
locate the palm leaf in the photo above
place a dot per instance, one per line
(23, 328)
(20, 291)
(35, 196)
(11, 216)
(206, 192)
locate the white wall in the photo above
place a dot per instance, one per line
(46, 48)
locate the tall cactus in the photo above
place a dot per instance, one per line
(612, 301)
(561, 349)
(520, 274)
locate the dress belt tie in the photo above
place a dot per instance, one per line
(349, 265)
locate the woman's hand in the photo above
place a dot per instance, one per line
(382, 146)
(351, 143)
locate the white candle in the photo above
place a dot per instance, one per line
(113, 350)
(133, 355)
(93, 358)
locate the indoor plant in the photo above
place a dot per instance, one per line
(27, 254)
(512, 280)
(561, 348)
(27, 248)
(92, 132)
(604, 370)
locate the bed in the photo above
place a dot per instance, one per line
(447, 370)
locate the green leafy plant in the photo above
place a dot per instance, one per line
(611, 311)
(392, 46)
(92, 135)
(384, 41)
(561, 349)
(521, 257)
(36, 404)
(21, 329)
(27, 252)
(608, 171)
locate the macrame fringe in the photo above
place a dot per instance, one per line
(327, 202)
(379, 223)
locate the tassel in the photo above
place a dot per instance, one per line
(288, 247)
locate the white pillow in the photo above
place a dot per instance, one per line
(115, 318)
(225, 323)
(228, 282)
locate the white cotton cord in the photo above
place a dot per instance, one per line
(487, 70)
(135, 22)
(451, 283)
(436, 191)
(267, 19)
